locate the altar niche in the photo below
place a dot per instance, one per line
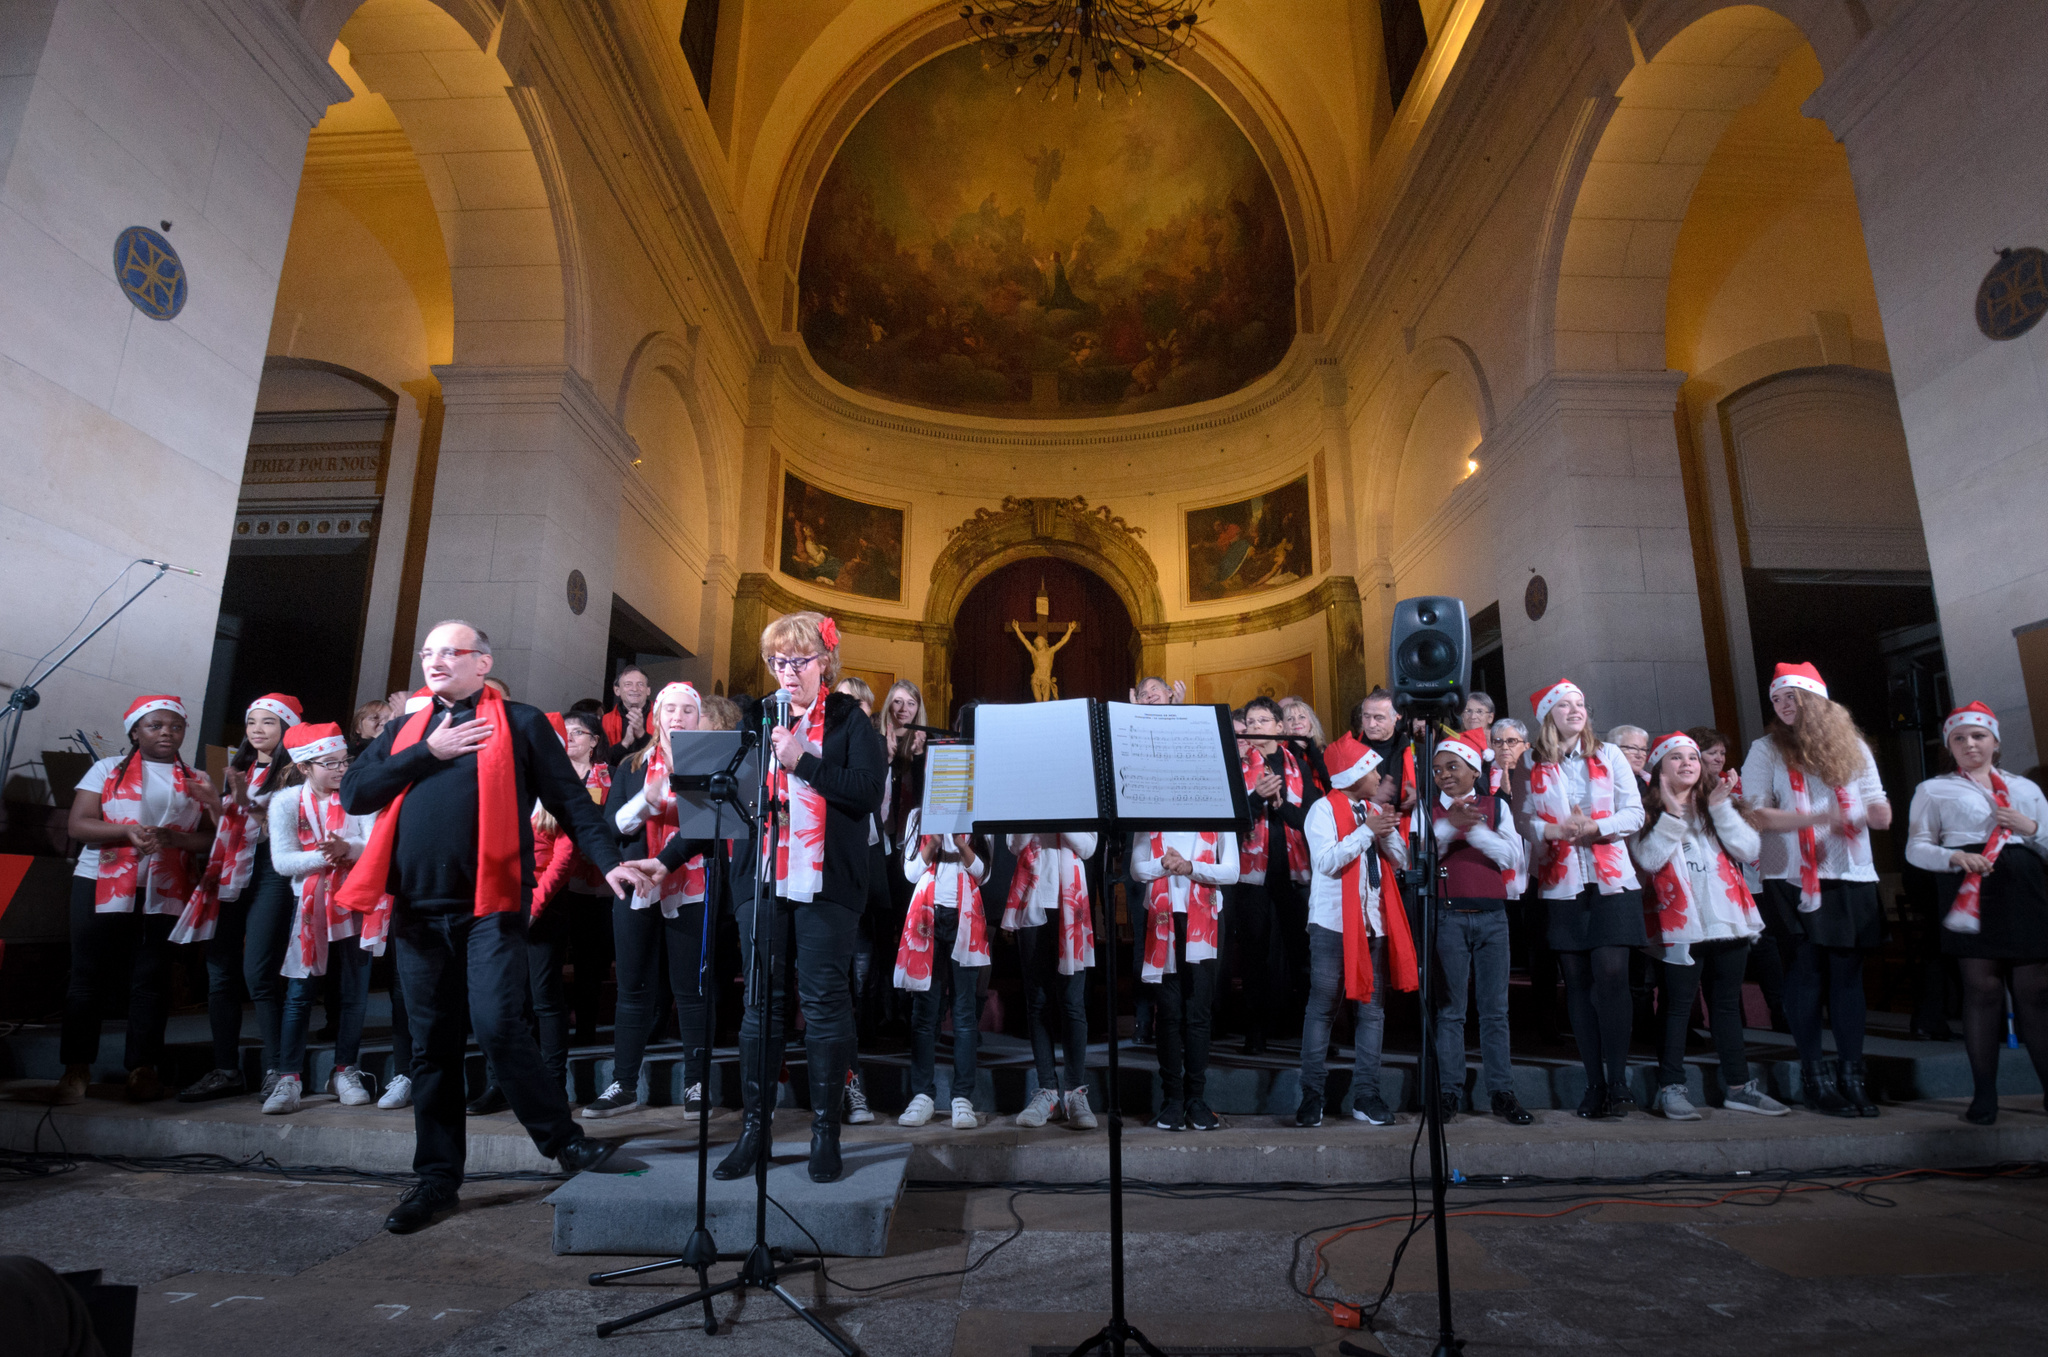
(1097, 660)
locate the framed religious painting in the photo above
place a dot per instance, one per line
(832, 541)
(1250, 546)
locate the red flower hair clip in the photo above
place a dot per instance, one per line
(829, 632)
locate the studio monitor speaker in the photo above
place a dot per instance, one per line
(1429, 652)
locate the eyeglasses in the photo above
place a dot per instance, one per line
(1635, 749)
(789, 664)
(444, 654)
(331, 765)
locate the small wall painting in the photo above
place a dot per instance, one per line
(879, 681)
(842, 544)
(1250, 545)
(1294, 677)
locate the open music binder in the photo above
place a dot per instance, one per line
(1085, 764)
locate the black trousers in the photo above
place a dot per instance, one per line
(118, 961)
(812, 948)
(1719, 966)
(1269, 942)
(585, 940)
(1053, 1003)
(246, 955)
(449, 963)
(1184, 997)
(640, 936)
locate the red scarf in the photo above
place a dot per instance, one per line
(970, 939)
(800, 874)
(320, 919)
(1669, 914)
(1358, 976)
(228, 867)
(679, 888)
(1252, 848)
(1205, 905)
(498, 878)
(1077, 929)
(1963, 913)
(120, 877)
(1809, 842)
(1557, 875)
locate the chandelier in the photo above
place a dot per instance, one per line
(1050, 42)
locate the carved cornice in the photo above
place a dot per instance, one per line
(341, 161)
(274, 45)
(1335, 591)
(1880, 67)
(1066, 528)
(774, 598)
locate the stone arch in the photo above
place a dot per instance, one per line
(1069, 529)
(680, 362)
(1442, 358)
(489, 155)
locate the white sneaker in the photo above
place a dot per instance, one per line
(1043, 1104)
(857, 1110)
(1078, 1111)
(919, 1112)
(1750, 1097)
(964, 1118)
(283, 1098)
(347, 1085)
(397, 1093)
(1675, 1106)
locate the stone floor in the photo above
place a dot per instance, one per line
(238, 1263)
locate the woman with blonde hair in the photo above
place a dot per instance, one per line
(825, 774)
(1812, 788)
(1580, 801)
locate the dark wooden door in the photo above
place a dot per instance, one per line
(990, 663)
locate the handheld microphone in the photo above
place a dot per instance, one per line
(166, 565)
(779, 704)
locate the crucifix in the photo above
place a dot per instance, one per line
(1044, 687)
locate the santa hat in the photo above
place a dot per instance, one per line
(1550, 697)
(675, 689)
(561, 727)
(1677, 739)
(143, 706)
(285, 709)
(1469, 745)
(1348, 760)
(1803, 676)
(306, 743)
(1976, 714)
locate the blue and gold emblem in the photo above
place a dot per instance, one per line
(150, 272)
(2014, 295)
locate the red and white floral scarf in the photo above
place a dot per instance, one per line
(1964, 912)
(1557, 875)
(678, 888)
(170, 875)
(800, 847)
(1809, 841)
(1670, 914)
(319, 918)
(1077, 928)
(970, 939)
(1252, 849)
(228, 867)
(1205, 907)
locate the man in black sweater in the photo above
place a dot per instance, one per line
(457, 933)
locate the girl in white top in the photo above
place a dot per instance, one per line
(945, 941)
(1183, 873)
(1812, 788)
(312, 843)
(1700, 916)
(1579, 801)
(139, 816)
(1048, 918)
(1983, 832)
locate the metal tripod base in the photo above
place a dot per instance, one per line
(763, 1270)
(1114, 1336)
(698, 1254)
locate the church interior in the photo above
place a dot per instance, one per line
(1680, 339)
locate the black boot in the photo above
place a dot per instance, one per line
(1817, 1083)
(826, 1062)
(1853, 1090)
(754, 1129)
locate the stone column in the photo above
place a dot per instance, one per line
(1944, 112)
(531, 469)
(1588, 493)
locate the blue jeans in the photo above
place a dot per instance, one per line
(1472, 957)
(1325, 998)
(350, 964)
(924, 1015)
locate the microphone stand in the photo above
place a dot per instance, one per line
(762, 1267)
(1423, 878)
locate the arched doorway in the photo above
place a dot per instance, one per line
(989, 662)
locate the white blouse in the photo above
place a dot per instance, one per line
(951, 886)
(1720, 915)
(1766, 783)
(1627, 818)
(1330, 856)
(1951, 812)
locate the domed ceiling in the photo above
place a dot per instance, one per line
(978, 250)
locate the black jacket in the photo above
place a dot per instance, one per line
(433, 862)
(849, 775)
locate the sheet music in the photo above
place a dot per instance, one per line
(1034, 762)
(948, 806)
(1171, 762)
